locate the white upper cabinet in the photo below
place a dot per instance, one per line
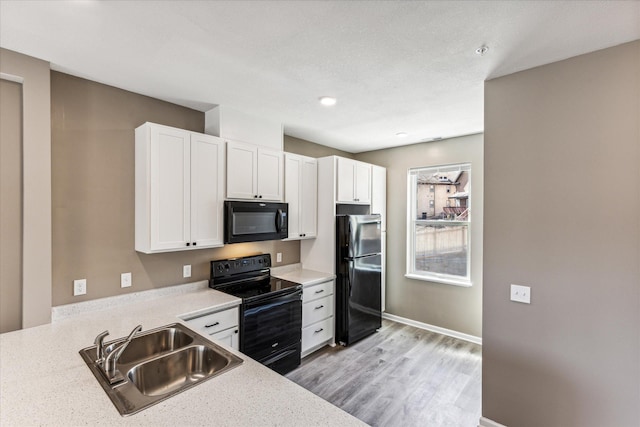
(207, 190)
(242, 166)
(379, 193)
(301, 193)
(178, 189)
(270, 174)
(254, 172)
(354, 181)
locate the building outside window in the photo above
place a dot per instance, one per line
(438, 224)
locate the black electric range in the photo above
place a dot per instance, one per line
(271, 310)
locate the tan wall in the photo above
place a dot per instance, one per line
(571, 357)
(447, 306)
(311, 149)
(93, 193)
(10, 206)
(36, 181)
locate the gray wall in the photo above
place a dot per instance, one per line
(447, 306)
(10, 206)
(36, 183)
(93, 193)
(562, 215)
(311, 149)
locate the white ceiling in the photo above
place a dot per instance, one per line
(394, 66)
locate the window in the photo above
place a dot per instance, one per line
(438, 224)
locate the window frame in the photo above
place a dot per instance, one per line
(412, 221)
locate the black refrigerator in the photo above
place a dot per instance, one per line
(359, 281)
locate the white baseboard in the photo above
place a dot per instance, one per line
(486, 422)
(433, 328)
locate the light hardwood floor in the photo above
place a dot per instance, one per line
(399, 376)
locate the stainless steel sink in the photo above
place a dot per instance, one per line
(152, 344)
(158, 364)
(176, 370)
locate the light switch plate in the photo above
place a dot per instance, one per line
(521, 294)
(125, 280)
(79, 287)
(279, 257)
(186, 271)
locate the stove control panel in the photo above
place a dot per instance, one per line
(235, 266)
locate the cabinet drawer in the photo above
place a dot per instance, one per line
(215, 322)
(317, 310)
(320, 290)
(317, 333)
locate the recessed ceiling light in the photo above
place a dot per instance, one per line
(327, 101)
(402, 134)
(482, 50)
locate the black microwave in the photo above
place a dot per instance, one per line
(254, 221)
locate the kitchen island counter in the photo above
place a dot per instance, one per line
(44, 381)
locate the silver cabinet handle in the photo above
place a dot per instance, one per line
(319, 307)
(318, 330)
(213, 324)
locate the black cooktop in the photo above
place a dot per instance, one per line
(248, 278)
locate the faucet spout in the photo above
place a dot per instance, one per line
(99, 342)
(110, 360)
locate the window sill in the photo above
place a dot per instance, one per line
(435, 279)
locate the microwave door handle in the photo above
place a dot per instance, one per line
(279, 220)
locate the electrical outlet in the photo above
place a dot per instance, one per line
(125, 280)
(186, 271)
(79, 287)
(521, 294)
(279, 257)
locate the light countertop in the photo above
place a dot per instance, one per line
(44, 381)
(295, 273)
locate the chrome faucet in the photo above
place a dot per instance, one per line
(107, 360)
(99, 342)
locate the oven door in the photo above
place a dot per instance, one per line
(270, 325)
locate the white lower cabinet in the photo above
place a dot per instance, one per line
(317, 316)
(221, 326)
(230, 337)
(316, 335)
(317, 310)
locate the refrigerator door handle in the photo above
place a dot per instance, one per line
(349, 244)
(350, 277)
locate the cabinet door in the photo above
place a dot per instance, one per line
(242, 166)
(207, 198)
(270, 174)
(362, 187)
(169, 188)
(346, 180)
(379, 193)
(229, 337)
(292, 189)
(309, 197)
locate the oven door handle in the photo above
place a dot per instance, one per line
(288, 297)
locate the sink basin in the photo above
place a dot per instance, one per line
(176, 370)
(152, 344)
(160, 363)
